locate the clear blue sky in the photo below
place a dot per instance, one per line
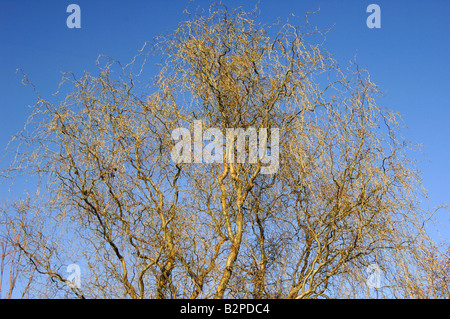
(409, 57)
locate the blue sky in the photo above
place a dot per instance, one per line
(408, 57)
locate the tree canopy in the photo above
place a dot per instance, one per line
(346, 192)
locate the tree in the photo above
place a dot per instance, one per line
(345, 195)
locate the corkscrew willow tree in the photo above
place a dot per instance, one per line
(110, 197)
